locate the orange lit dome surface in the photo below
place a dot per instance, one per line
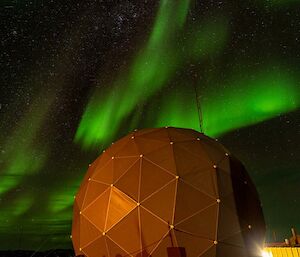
(167, 191)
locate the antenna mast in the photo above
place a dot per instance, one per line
(198, 104)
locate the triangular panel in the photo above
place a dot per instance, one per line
(153, 229)
(119, 206)
(96, 212)
(105, 174)
(189, 163)
(162, 202)
(147, 145)
(88, 232)
(129, 149)
(213, 149)
(162, 249)
(126, 233)
(229, 223)
(115, 250)
(195, 148)
(189, 200)
(204, 181)
(94, 190)
(96, 249)
(152, 178)
(129, 183)
(224, 183)
(121, 165)
(194, 246)
(203, 224)
(164, 158)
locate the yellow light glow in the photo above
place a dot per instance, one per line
(266, 254)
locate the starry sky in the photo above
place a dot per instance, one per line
(78, 75)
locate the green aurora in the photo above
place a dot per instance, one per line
(266, 95)
(155, 63)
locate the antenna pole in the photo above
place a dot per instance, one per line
(198, 104)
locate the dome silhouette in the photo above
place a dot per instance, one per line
(167, 192)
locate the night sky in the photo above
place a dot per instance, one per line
(78, 75)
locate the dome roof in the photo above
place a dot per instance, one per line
(157, 191)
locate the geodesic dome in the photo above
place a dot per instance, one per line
(167, 192)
